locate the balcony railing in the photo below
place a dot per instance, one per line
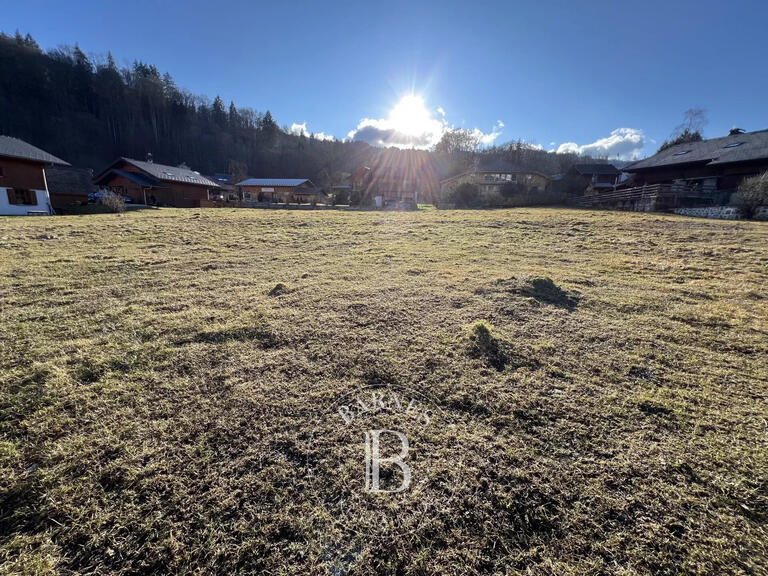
(661, 194)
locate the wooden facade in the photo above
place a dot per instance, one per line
(711, 170)
(23, 188)
(725, 177)
(23, 185)
(18, 173)
(278, 190)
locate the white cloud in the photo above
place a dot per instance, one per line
(411, 124)
(624, 143)
(488, 138)
(299, 129)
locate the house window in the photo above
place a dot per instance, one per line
(21, 196)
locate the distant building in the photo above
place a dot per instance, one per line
(714, 164)
(69, 187)
(147, 182)
(23, 186)
(279, 190)
(690, 174)
(596, 176)
(227, 184)
(491, 177)
(396, 178)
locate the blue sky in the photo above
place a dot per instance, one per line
(610, 77)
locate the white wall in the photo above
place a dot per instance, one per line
(7, 209)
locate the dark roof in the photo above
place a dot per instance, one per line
(69, 181)
(15, 148)
(746, 147)
(162, 173)
(589, 169)
(274, 182)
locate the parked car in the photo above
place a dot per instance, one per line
(95, 197)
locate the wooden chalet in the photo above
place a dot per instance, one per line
(596, 176)
(692, 174)
(151, 183)
(23, 185)
(491, 177)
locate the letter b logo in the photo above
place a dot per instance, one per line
(373, 461)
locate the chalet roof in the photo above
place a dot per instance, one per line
(291, 182)
(595, 168)
(745, 147)
(69, 181)
(138, 178)
(164, 173)
(15, 148)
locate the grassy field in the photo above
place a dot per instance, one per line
(598, 381)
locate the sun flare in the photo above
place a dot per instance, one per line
(411, 116)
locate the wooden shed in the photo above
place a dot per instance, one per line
(278, 190)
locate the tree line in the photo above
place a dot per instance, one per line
(89, 111)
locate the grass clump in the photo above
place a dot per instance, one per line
(278, 290)
(486, 344)
(544, 290)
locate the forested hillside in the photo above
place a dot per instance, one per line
(90, 112)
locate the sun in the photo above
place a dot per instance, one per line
(411, 116)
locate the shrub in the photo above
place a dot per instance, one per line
(466, 196)
(511, 190)
(113, 202)
(752, 193)
(569, 186)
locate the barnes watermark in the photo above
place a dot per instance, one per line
(382, 460)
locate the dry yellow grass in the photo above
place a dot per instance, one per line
(604, 375)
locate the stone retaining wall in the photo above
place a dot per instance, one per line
(718, 212)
